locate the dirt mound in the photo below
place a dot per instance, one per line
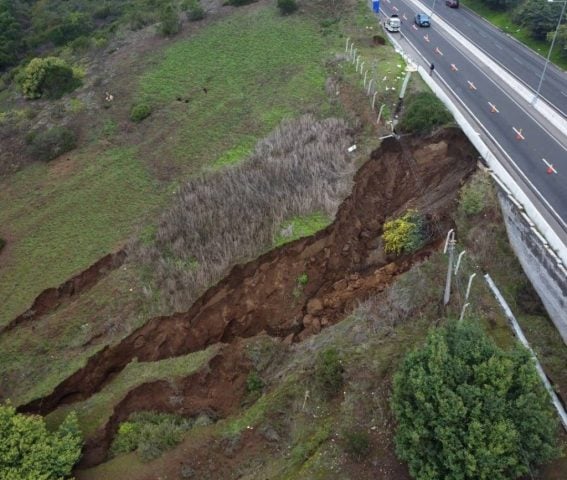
(342, 264)
(52, 298)
(217, 389)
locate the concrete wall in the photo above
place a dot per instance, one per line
(547, 276)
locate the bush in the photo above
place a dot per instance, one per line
(239, 3)
(51, 143)
(169, 20)
(194, 10)
(140, 111)
(476, 195)
(467, 409)
(150, 434)
(48, 77)
(287, 7)
(405, 234)
(254, 383)
(357, 443)
(2, 243)
(29, 451)
(423, 112)
(329, 372)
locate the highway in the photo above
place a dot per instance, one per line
(535, 155)
(522, 62)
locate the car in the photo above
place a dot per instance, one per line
(422, 20)
(452, 3)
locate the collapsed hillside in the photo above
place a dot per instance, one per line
(343, 264)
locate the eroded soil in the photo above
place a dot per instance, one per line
(343, 263)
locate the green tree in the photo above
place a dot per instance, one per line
(29, 452)
(49, 77)
(561, 40)
(287, 7)
(404, 234)
(169, 20)
(422, 113)
(539, 18)
(10, 34)
(468, 410)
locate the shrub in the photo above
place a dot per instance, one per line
(423, 112)
(51, 143)
(2, 243)
(239, 3)
(303, 279)
(287, 7)
(467, 409)
(169, 20)
(254, 383)
(48, 77)
(140, 111)
(357, 443)
(194, 10)
(476, 195)
(149, 434)
(329, 372)
(29, 451)
(405, 234)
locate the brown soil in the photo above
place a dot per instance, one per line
(343, 263)
(51, 298)
(216, 389)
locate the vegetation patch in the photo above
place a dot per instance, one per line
(149, 434)
(423, 112)
(140, 111)
(300, 168)
(60, 232)
(241, 77)
(405, 234)
(301, 226)
(48, 77)
(52, 143)
(329, 372)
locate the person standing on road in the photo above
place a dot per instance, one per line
(431, 68)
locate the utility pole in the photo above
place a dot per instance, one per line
(450, 246)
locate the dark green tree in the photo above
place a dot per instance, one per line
(561, 40)
(287, 7)
(48, 77)
(169, 20)
(469, 410)
(29, 452)
(539, 18)
(10, 34)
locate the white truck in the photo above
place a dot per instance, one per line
(393, 23)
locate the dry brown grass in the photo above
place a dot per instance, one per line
(231, 216)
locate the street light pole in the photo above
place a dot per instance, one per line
(549, 53)
(433, 8)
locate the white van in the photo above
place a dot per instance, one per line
(393, 23)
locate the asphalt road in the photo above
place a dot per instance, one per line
(522, 62)
(531, 150)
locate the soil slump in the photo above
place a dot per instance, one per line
(52, 298)
(216, 389)
(343, 264)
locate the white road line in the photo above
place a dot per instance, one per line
(563, 93)
(471, 85)
(519, 135)
(493, 108)
(550, 167)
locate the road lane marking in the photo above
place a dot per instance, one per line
(414, 27)
(395, 8)
(563, 93)
(439, 52)
(519, 135)
(493, 108)
(550, 167)
(404, 16)
(454, 67)
(471, 85)
(426, 38)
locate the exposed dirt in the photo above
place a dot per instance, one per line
(51, 298)
(343, 263)
(216, 389)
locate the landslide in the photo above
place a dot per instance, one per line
(343, 264)
(216, 389)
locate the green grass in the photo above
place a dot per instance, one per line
(96, 410)
(503, 21)
(62, 225)
(235, 154)
(257, 68)
(302, 227)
